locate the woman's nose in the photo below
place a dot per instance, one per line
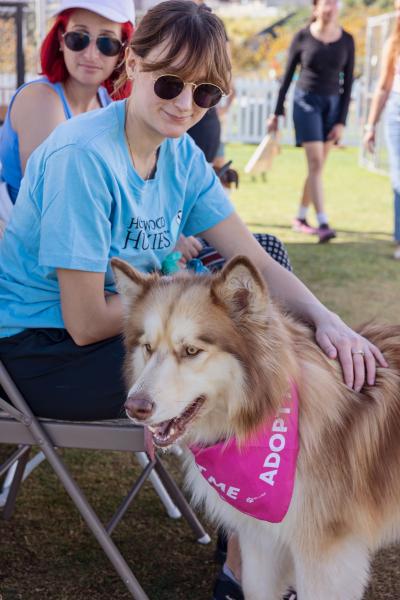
(185, 99)
(92, 50)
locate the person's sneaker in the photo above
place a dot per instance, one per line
(302, 226)
(396, 253)
(325, 233)
(226, 589)
(290, 595)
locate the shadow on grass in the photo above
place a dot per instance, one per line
(286, 227)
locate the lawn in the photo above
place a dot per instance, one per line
(355, 274)
(46, 552)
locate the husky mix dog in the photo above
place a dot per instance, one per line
(209, 358)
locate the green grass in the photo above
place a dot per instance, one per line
(354, 274)
(46, 552)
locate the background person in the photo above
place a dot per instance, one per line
(126, 181)
(325, 53)
(387, 94)
(81, 58)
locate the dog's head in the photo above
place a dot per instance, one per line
(196, 351)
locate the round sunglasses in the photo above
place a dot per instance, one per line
(78, 41)
(205, 95)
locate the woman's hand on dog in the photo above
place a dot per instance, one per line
(357, 356)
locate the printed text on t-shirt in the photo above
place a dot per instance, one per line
(145, 234)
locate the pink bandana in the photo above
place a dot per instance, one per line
(258, 477)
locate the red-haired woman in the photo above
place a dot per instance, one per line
(81, 57)
(388, 93)
(325, 53)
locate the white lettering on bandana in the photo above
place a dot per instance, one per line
(257, 477)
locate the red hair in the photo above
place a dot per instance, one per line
(52, 59)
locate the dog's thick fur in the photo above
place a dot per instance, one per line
(346, 502)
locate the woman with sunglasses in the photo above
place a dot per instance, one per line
(126, 181)
(81, 58)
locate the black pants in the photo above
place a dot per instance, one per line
(61, 380)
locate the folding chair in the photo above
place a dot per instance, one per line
(18, 425)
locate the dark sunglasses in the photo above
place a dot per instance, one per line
(78, 41)
(205, 95)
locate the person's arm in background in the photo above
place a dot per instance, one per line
(293, 60)
(36, 111)
(380, 96)
(348, 74)
(189, 247)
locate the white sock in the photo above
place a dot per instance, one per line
(302, 212)
(322, 218)
(227, 571)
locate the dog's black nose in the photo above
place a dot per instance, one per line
(139, 406)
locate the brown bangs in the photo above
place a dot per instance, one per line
(195, 42)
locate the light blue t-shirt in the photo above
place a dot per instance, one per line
(81, 202)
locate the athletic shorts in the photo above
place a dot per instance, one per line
(314, 115)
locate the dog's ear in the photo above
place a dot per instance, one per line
(241, 287)
(130, 283)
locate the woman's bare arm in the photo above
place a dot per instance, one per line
(36, 111)
(383, 86)
(89, 315)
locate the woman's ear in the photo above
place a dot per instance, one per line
(130, 63)
(60, 40)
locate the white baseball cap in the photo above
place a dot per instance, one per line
(119, 11)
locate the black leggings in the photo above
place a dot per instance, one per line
(61, 380)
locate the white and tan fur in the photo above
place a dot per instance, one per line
(346, 502)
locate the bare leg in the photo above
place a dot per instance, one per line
(306, 195)
(316, 155)
(233, 557)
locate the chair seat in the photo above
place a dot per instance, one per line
(117, 434)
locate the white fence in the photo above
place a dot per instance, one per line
(255, 100)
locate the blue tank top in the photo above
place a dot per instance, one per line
(11, 171)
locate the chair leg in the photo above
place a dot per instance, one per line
(15, 484)
(129, 498)
(181, 502)
(6, 466)
(30, 466)
(162, 493)
(94, 523)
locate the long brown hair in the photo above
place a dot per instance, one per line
(193, 33)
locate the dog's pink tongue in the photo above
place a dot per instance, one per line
(149, 444)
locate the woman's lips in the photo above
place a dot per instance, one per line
(176, 118)
(90, 67)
